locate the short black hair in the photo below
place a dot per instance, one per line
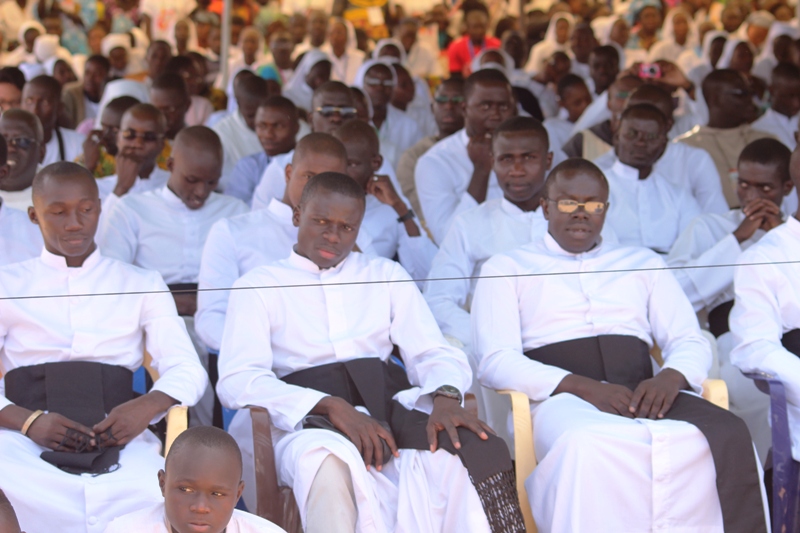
(319, 143)
(653, 95)
(768, 152)
(331, 86)
(717, 79)
(607, 50)
(361, 132)
(207, 436)
(49, 83)
(171, 81)
(60, 170)
(282, 103)
(785, 72)
(488, 76)
(574, 164)
(177, 63)
(12, 76)
(474, 5)
(121, 104)
(100, 61)
(646, 111)
(568, 81)
(523, 124)
(333, 182)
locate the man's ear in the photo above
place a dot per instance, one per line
(788, 185)
(296, 216)
(32, 215)
(42, 151)
(162, 481)
(549, 159)
(240, 490)
(287, 172)
(4, 170)
(170, 163)
(377, 161)
(545, 207)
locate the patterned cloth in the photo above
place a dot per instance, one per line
(107, 165)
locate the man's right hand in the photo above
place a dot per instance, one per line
(128, 167)
(91, 149)
(760, 213)
(364, 431)
(59, 433)
(479, 150)
(608, 398)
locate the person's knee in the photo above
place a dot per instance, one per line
(331, 498)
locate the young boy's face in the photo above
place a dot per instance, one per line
(575, 100)
(200, 490)
(361, 162)
(757, 181)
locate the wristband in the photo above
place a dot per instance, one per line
(408, 216)
(31, 419)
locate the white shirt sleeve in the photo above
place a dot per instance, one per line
(118, 237)
(706, 184)
(218, 269)
(415, 253)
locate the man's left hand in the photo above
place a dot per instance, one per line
(127, 421)
(654, 397)
(448, 415)
(381, 187)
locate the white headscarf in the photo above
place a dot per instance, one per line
(543, 50)
(390, 41)
(602, 27)
(117, 88)
(727, 52)
(191, 44)
(366, 65)
(668, 48)
(506, 68)
(29, 25)
(766, 60)
(115, 40)
(296, 89)
(698, 68)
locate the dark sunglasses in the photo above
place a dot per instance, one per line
(328, 111)
(148, 136)
(442, 99)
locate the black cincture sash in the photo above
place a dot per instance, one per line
(625, 360)
(82, 391)
(371, 383)
(718, 319)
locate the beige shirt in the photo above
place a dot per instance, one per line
(724, 147)
(405, 170)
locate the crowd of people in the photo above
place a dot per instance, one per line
(368, 218)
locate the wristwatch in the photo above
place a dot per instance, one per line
(448, 391)
(408, 216)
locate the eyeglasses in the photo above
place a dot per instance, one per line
(632, 134)
(486, 106)
(148, 136)
(375, 82)
(23, 143)
(328, 111)
(739, 93)
(442, 99)
(570, 206)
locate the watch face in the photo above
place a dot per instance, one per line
(449, 389)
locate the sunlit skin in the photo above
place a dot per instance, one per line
(195, 171)
(760, 189)
(201, 486)
(521, 160)
(173, 104)
(328, 225)
(575, 100)
(340, 99)
(21, 162)
(10, 97)
(276, 130)
(304, 168)
(639, 142)
(576, 232)
(785, 95)
(94, 80)
(44, 103)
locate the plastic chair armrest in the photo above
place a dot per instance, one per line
(177, 422)
(716, 392)
(525, 454)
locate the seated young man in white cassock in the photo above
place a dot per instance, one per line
(19, 239)
(456, 173)
(646, 209)
(766, 315)
(687, 167)
(201, 482)
(42, 97)
(573, 99)
(388, 227)
(311, 351)
(68, 410)
(569, 320)
(332, 105)
(165, 229)
(22, 132)
(709, 247)
(781, 118)
(140, 140)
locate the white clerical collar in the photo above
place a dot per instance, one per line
(59, 262)
(625, 171)
(556, 249)
(172, 200)
(280, 211)
(302, 263)
(514, 210)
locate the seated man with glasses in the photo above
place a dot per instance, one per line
(100, 146)
(140, 140)
(377, 78)
(646, 208)
(730, 111)
(22, 132)
(331, 105)
(569, 320)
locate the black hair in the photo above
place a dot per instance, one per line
(607, 50)
(647, 111)
(488, 75)
(523, 124)
(768, 152)
(100, 61)
(60, 170)
(12, 76)
(333, 182)
(574, 165)
(49, 83)
(171, 81)
(567, 82)
(207, 436)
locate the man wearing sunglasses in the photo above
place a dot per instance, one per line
(600, 410)
(647, 209)
(42, 97)
(22, 132)
(331, 106)
(730, 110)
(140, 140)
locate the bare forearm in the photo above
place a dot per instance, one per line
(411, 228)
(13, 416)
(479, 184)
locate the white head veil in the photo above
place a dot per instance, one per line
(727, 52)
(115, 89)
(390, 41)
(366, 65)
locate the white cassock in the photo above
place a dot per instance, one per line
(558, 130)
(400, 130)
(273, 182)
(105, 186)
(70, 145)
(441, 177)
(688, 168)
(662, 471)
(238, 141)
(651, 212)
(767, 306)
(154, 520)
(270, 333)
(112, 330)
(779, 125)
(19, 200)
(708, 241)
(20, 239)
